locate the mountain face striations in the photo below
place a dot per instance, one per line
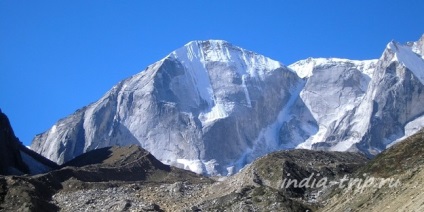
(212, 107)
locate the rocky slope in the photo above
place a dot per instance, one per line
(110, 173)
(131, 179)
(257, 187)
(212, 107)
(15, 158)
(403, 166)
(262, 185)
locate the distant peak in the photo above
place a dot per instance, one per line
(409, 55)
(418, 46)
(220, 50)
(207, 43)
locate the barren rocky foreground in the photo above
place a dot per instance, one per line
(132, 179)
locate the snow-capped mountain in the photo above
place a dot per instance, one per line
(212, 107)
(333, 89)
(200, 108)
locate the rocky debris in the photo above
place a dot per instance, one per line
(251, 198)
(265, 180)
(107, 183)
(402, 169)
(130, 197)
(258, 187)
(24, 194)
(82, 187)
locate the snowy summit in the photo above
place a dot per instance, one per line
(212, 107)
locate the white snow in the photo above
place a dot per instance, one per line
(34, 166)
(411, 128)
(405, 55)
(213, 72)
(244, 61)
(315, 138)
(418, 46)
(246, 91)
(305, 68)
(247, 64)
(267, 140)
(199, 166)
(328, 102)
(192, 57)
(218, 111)
(193, 165)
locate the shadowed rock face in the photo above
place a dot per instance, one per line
(10, 158)
(15, 158)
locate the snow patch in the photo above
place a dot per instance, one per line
(34, 166)
(305, 68)
(193, 58)
(406, 56)
(218, 111)
(268, 138)
(246, 91)
(199, 166)
(411, 128)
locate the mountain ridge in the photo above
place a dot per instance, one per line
(212, 108)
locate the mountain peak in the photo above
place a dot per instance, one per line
(305, 68)
(224, 52)
(418, 46)
(213, 107)
(393, 45)
(409, 56)
(212, 42)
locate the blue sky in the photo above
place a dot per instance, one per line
(58, 56)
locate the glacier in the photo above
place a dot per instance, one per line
(212, 107)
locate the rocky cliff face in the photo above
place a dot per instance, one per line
(212, 107)
(201, 108)
(333, 89)
(11, 161)
(390, 107)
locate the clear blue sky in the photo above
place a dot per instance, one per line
(58, 56)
